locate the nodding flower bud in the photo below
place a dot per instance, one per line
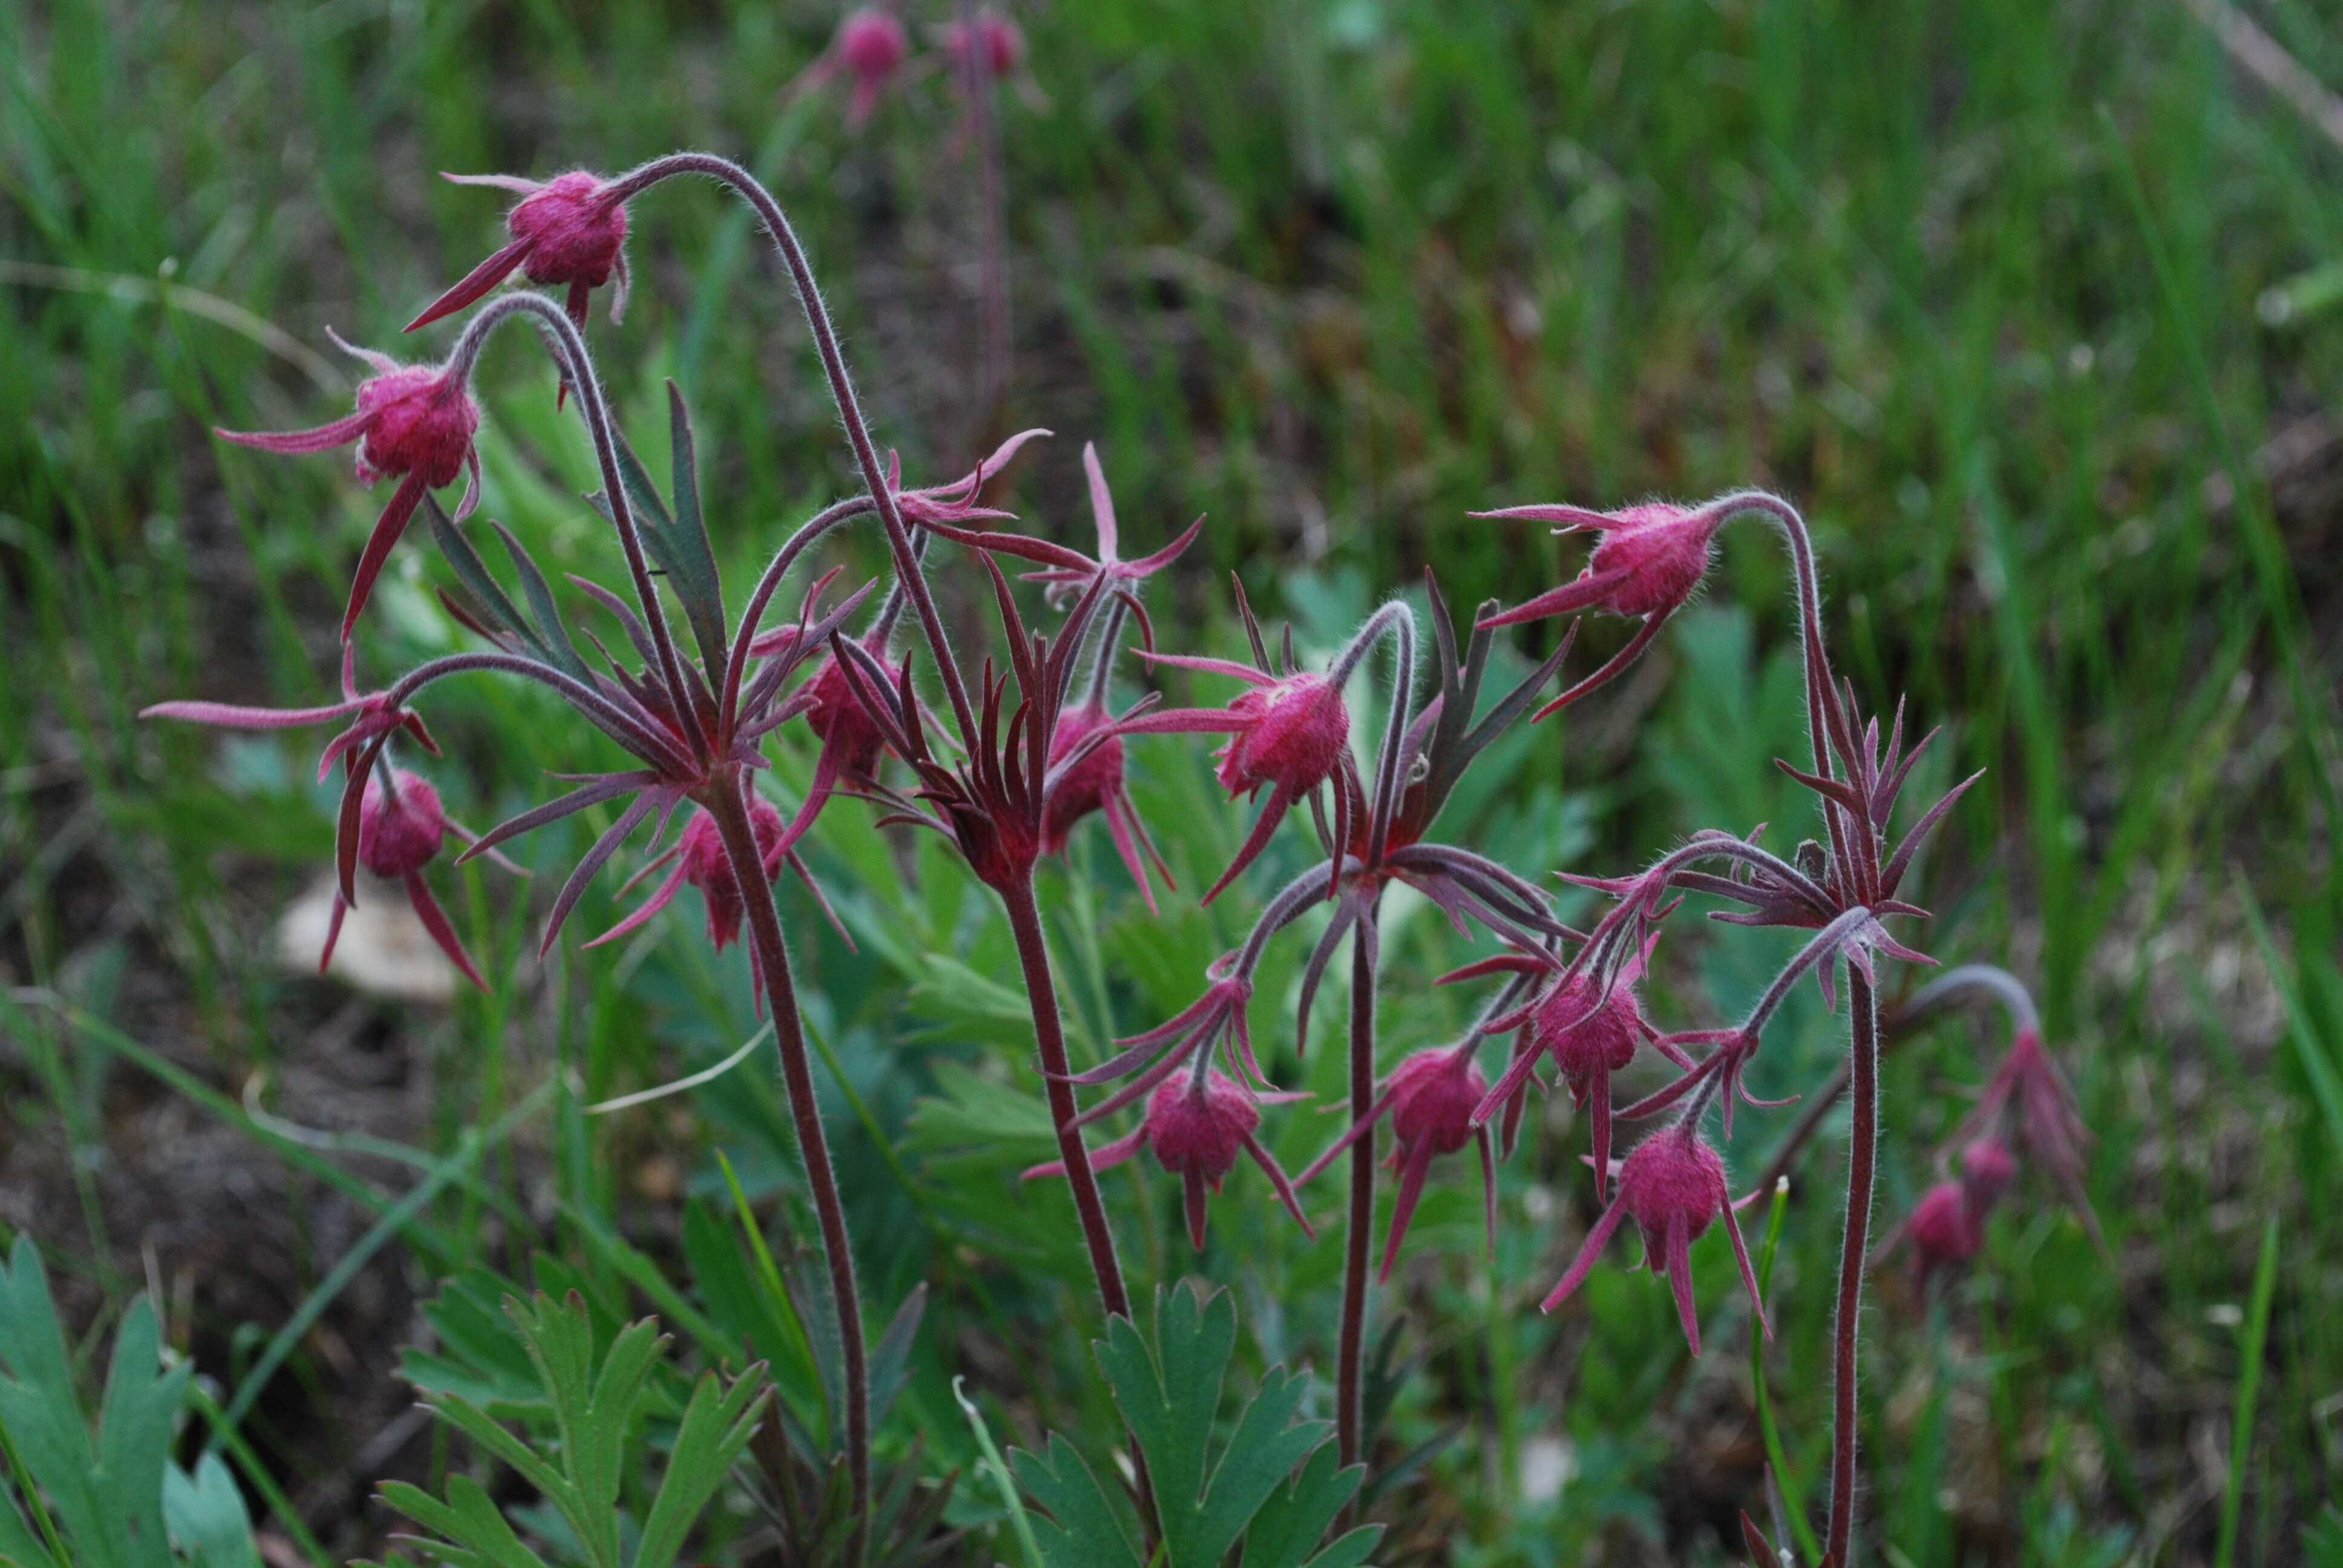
(1291, 734)
(1089, 784)
(1987, 1167)
(1094, 782)
(400, 828)
(1196, 1125)
(850, 738)
(1650, 559)
(1288, 732)
(999, 46)
(570, 230)
(704, 864)
(1943, 1231)
(415, 422)
(871, 47)
(1672, 1184)
(1433, 1094)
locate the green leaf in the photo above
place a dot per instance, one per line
(714, 1429)
(1297, 1517)
(206, 1516)
(482, 1537)
(690, 562)
(489, 595)
(552, 634)
(1077, 1527)
(1169, 1393)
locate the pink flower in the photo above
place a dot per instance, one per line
(414, 421)
(700, 862)
(999, 44)
(850, 740)
(1196, 1127)
(400, 830)
(1590, 1032)
(2028, 1088)
(1287, 734)
(1650, 559)
(1429, 1097)
(1943, 1232)
(1094, 783)
(569, 230)
(1672, 1184)
(871, 45)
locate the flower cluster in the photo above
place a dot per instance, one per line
(1004, 756)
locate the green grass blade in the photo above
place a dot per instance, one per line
(2249, 1382)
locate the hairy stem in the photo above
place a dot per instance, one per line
(1050, 1037)
(842, 391)
(727, 803)
(1359, 1239)
(1863, 1158)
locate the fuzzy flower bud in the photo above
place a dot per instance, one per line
(414, 422)
(870, 47)
(1672, 1184)
(400, 828)
(1196, 1126)
(1289, 733)
(704, 864)
(1650, 559)
(569, 231)
(998, 44)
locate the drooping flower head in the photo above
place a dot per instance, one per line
(870, 47)
(851, 739)
(1094, 782)
(1429, 1097)
(401, 828)
(2029, 1093)
(1287, 734)
(415, 423)
(1672, 1185)
(1649, 560)
(570, 231)
(699, 861)
(1196, 1124)
(1589, 1025)
(997, 44)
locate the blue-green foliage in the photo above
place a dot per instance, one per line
(1208, 1494)
(70, 1498)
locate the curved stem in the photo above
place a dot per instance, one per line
(1922, 1005)
(728, 805)
(1358, 1241)
(822, 522)
(654, 746)
(841, 390)
(1863, 1154)
(570, 345)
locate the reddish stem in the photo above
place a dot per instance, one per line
(1050, 1036)
(1359, 1240)
(1863, 1151)
(727, 804)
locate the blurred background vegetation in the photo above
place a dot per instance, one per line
(2024, 303)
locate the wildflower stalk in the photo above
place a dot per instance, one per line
(1057, 1078)
(1057, 1075)
(1863, 1154)
(727, 804)
(1359, 1239)
(842, 391)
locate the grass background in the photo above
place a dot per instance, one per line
(1976, 284)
